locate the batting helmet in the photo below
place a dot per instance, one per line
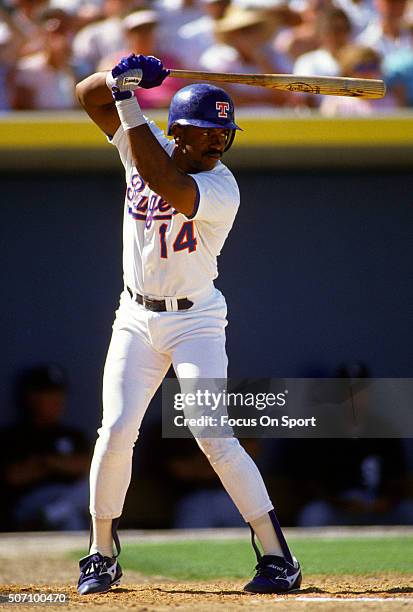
(203, 105)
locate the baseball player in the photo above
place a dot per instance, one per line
(180, 204)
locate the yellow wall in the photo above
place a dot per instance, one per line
(74, 130)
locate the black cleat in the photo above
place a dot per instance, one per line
(98, 574)
(275, 575)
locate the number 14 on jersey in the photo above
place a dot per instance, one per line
(185, 239)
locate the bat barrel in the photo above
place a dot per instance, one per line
(332, 86)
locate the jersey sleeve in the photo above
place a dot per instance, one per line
(217, 198)
(120, 141)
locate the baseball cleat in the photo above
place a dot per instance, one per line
(98, 574)
(275, 575)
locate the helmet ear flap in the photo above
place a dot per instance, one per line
(171, 131)
(230, 140)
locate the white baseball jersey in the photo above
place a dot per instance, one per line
(165, 253)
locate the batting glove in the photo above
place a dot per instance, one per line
(136, 71)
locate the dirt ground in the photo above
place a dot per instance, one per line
(38, 564)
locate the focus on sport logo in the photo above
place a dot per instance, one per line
(222, 108)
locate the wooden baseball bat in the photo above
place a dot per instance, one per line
(328, 86)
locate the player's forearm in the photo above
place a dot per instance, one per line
(93, 91)
(158, 169)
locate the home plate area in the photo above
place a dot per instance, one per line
(44, 565)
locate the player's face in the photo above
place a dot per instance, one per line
(199, 149)
(46, 406)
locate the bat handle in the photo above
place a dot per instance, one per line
(193, 74)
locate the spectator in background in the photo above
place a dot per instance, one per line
(398, 73)
(304, 36)
(279, 11)
(7, 59)
(358, 479)
(196, 36)
(173, 15)
(243, 45)
(364, 63)
(334, 34)
(140, 35)
(334, 30)
(44, 464)
(360, 12)
(355, 482)
(98, 40)
(46, 80)
(26, 17)
(12, 41)
(365, 480)
(83, 12)
(387, 32)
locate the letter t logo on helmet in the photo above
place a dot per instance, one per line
(223, 108)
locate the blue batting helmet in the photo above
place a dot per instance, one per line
(203, 105)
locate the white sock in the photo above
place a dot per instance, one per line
(265, 532)
(102, 537)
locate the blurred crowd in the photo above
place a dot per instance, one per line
(46, 46)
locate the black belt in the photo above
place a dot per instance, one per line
(158, 305)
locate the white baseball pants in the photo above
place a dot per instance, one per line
(143, 346)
